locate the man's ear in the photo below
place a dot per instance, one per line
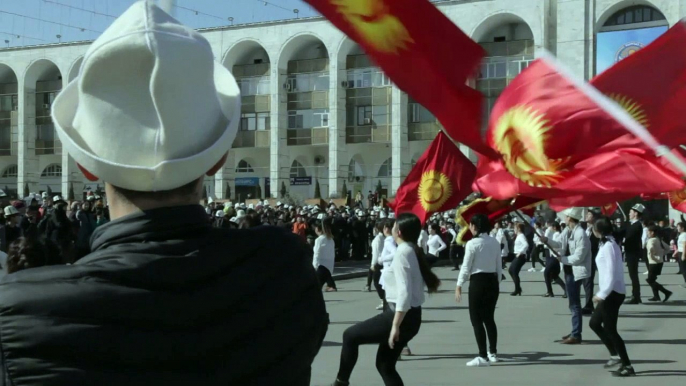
(89, 176)
(218, 166)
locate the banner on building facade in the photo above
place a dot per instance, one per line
(614, 46)
(248, 181)
(300, 181)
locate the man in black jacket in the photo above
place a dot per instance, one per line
(633, 248)
(163, 298)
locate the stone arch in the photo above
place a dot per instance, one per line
(356, 168)
(52, 170)
(612, 9)
(75, 69)
(243, 49)
(7, 74)
(495, 20)
(41, 70)
(296, 45)
(11, 171)
(386, 169)
(298, 168)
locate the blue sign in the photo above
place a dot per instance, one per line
(248, 181)
(299, 181)
(611, 47)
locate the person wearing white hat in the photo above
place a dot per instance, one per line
(633, 250)
(324, 253)
(12, 229)
(576, 258)
(150, 114)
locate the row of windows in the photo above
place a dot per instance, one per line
(53, 170)
(308, 119)
(258, 85)
(316, 81)
(255, 121)
(367, 77)
(298, 170)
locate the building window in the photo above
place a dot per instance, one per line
(419, 114)
(316, 81)
(367, 77)
(634, 15)
(355, 171)
(258, 85)
(8, 103)
(244, 167)
(308, 119)
(255, 121)
(385, 169)
(11, 172)
(364, 115)
(53, 170)
(298, 170)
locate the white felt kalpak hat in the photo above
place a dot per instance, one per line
(575, 213)
(151, 110)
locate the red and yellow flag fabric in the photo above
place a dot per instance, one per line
(423, 53)
(609, 209)
(553, 141)
(439, 181)
(494, 209)
(678, 200)
(651, 86)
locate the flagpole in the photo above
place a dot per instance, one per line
(540, 236)
(617, 112)
(621, 210)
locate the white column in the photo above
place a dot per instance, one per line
(226, 177)
(400, 148)
(337, 148)
(28, 173)
(71, 177)
(279, 167)
(575, 35)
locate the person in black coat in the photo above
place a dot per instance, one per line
(633, 248)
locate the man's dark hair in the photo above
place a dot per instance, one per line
(185, 191)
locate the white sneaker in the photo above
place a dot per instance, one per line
(379, 307)
(645, 273)
(542, 270)
(492, 358)
(478, 362)
(531, 270)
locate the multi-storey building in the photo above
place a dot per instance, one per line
(316, 110)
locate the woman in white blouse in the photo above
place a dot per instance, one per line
(520, 247)
(483, 267)
(436, 244)
(609, 298)
(681, 247)
(394, 328)
(324, 253)
(377, 266)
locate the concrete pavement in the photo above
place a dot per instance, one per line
(528, 328)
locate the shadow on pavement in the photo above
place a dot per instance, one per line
(661, 373)
(445, 308)
(648, 341)
(331, 344)
(423, 322)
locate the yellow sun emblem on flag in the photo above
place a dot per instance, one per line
(632, 107)
(434, 190)
(520, 136)
(677, 197)
(372, 20)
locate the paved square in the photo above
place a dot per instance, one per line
(528, 326)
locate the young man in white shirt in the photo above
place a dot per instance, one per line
(681, 249)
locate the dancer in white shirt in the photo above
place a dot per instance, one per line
(552, 266)
(520, 247)
(324, 253)
(681, 248)
(393, 329)
(655, 250)
(483, 268)
(609, 298)
(436, 244)
(377, 265)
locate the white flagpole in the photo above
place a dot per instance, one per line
(617, 112)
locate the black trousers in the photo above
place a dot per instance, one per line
(370, 277)
(536, 255)
(632, 266)
(484, 290)
(515, 267)
(588, 287)
(552, 274)
(682, 265)
(604, 324)
(655, 270)
(377, 286)
(431, 259)
(377, 330)
(455, 256)
(324, 277)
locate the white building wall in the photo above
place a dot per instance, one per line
(565, 27)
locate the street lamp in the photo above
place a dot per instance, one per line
(59, 37)
(7, 42)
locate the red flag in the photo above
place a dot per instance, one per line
(494, 209)
(439, 181)
(553, 141)
(651, 86)
(423, 53)
(678, 200)
(609, 209)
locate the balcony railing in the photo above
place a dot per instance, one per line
(315, 136)
(254, 138)
(368, 134)
(47, 141)
(423, 131)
